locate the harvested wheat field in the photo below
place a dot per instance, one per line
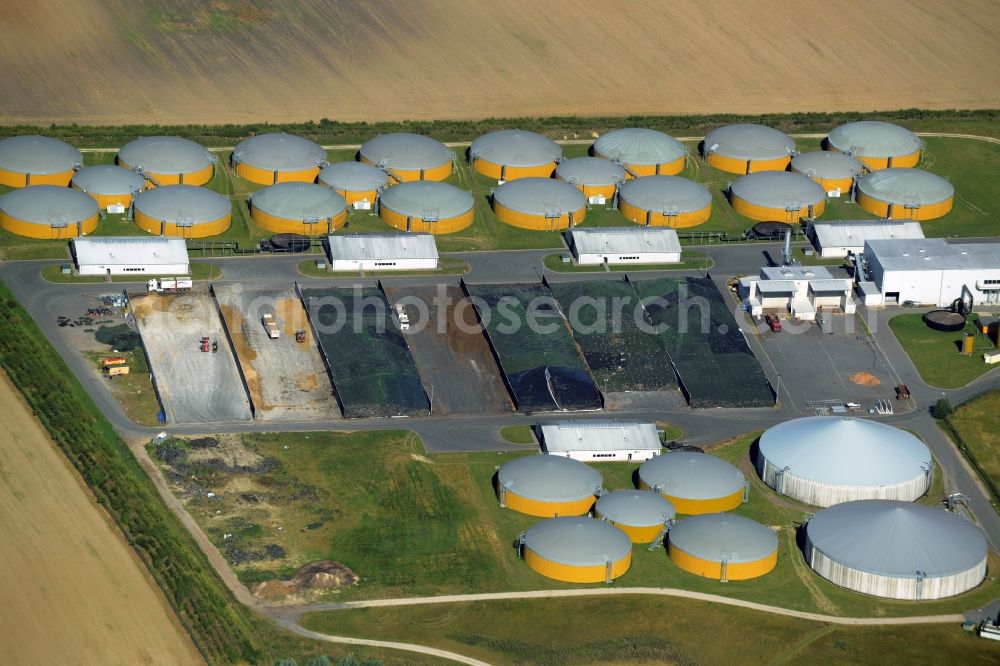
(186, 61)
(73, 592)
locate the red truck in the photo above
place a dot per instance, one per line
(773, 321)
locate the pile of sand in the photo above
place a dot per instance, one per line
(865, 379)
(321, 575)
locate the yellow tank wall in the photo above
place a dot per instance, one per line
(637, 534)
(658, 219)
(495, 171)
(901, 212)
(196, 178)
(533, 507)
(765, 214)
(829, 184)
(876, 163)
(661, 169)
(105, 200)
(152, 225)
(22, 228)
(607, 191)
(573, 574)
(445, 225)
(265, 177)
(730, 165)
(693, 507)
(283, 225)
(407, 175)
(713, 570)
(352, 197)
(13, 179)
(537, 222)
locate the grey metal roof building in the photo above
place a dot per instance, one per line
(107, 182)
(826, 460)
(35, 211)
(723, 546)
(875, 139)
(37, 160)
(385, 251)
(665, 200)
(641, 514)
(168, 160)
(694, 482)
(831, 170)
(641, 244)
(595, 440)
(547, 485)
(512, 153)
(125, 255)
(591, 175)
(841, 237)
(896, 549)
(747, 147)
(354, 179)
(645, 152)
(407, 156)
(577, 549)
(277, 157)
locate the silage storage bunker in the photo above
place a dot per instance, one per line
(300, 208)
(511, 154)
(547, 486)
(878, 144)
(48, 212)
(640, 514)
(267, 159)
(722, 546)
(835, 172)
(777, 196)
(577, 550)
(357, 182)
(111, 186)
(598, 179)
(826, 460)
(896, 549)
(748, 148)
(644, 152)
(665, 201)
(905, 194)
(168, 160)
(406, 156)
(694, 482)
(182, 210)
(540, 204)
(436, 208)
(37, 160)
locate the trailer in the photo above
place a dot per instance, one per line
(114, 360)
(173, 285)
(271, 326)
(402, 317)
(116, 370)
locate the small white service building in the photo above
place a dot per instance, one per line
(845, 237)
(933, 271)
(798, 290)
(382, 252)
(624, 245)
(130, 255)
(600, 441)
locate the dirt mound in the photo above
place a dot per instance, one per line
(325, 574)
(865, 379)
(274, 590)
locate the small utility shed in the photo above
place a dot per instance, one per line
(624, 245)
(844, 237)
(382, 252)
(600, 440)
(127, 255)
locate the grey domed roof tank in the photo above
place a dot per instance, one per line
(354, 180)
(829, 169)
(298, 207)
(723, 546)
(278, 157)
(876, 143)
(48, 212)
(182, 210)
(426, 206)
(905, 193)
(645, 152)
(168, 160)
(512, 153)
(641, 514)
(37, 160)
(747, 148)
(546, 485)
(591, 175)
(580, 550)
(777, 196)
(108, 183)
(407, 156)
(665, 201)
(694, 482)
(539, 203)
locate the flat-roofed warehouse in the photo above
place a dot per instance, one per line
(748, 148)
(826, 460)
(896, 549)
(382, 252)
(598, 179)
(48, 212)
(428, 206)
(548, 486)
(624, 245)
(723, 546)
(267, 159)
(182, 210)
(301, 208)
(512, 153)
(843, 237)
(640, 514)
(128, 255)
(835, 172)
(906, 194)
(694, 482)
(541, 204)
(111, 186)
(357, 182)
(932, 271)
(37, 160)
(665, 201)
(644, 152)
(168, 160)
(777, 196)
(576, 550)
(878, 144)
(600, 440)
(406, 156)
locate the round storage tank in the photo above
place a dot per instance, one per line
(437, 208)
(299, 208)
(638, 513)
(37, 160)
(182, 210)
(541, 204)
(355, 181)
(595, 177)
(644, 152)
(748, 148)
(777, 196)
(406, 156)
(833, 171)
(665, 201)
(694, 482)
(577, 550)
(723, 547)
(267, 159)
(168, 160)
(512, 154)
(826, 460)
(49, 212)
(896, 550)
(548, 486)
(905, 194)
(108, 184)
(878, 144)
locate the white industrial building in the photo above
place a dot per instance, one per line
(128, 255)
(846, 237)
(624, 245)
(600, 440)
(382, 252)
(799, 290)
(931, 271)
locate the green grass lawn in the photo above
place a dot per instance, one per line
(199, 271)
(691, 260)
(133, 391)
(519, 434)
(447, 266)
(936, 354)
(977, 422)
